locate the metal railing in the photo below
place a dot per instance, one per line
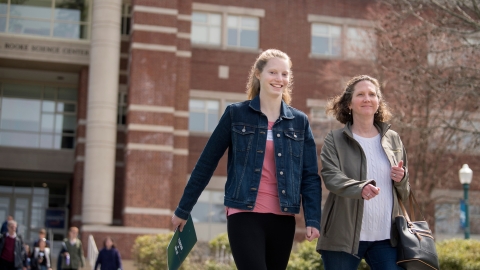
(92, 251)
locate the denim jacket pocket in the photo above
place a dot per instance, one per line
(295, 144)
(243, 137)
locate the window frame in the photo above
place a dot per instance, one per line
(55, 114)
(85, 26)
(225, 12)
(344, 24)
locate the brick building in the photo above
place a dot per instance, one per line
(107, 104)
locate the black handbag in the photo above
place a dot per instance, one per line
(416, 245)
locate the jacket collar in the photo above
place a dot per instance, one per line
(285, 111)
(381, 127)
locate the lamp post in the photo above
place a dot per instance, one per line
(465, 175)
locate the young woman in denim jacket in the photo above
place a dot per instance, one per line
(272, 167)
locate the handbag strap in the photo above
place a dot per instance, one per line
(413, 204)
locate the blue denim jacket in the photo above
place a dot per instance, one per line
(243, 130)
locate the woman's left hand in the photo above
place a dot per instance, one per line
(397, 172)
(312, 233)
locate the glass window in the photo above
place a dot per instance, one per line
(126, 19)
(360, 43)
(204, 115)
(206, 28)
(326, 39)
(28, 120)
(57, 18)
(242, 32)
(122, 108)
(209, 208)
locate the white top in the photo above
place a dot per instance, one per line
(377, 212)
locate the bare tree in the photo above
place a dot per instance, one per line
(428, 60)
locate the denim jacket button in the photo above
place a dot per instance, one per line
(285, 209)
(278, 135)
(249, 206)
(281, 173)
(253, 188)
(279, 154)
(283, 191)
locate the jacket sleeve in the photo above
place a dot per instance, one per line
(99, 259)
(334, 178)
(119, 259)
(206, 165)
(311, 186)
(82, 259)
(403, 187)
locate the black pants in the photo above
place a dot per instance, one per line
(5, 265)
(260, 241)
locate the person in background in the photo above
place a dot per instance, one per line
(364, 167)
(40, 258)
(272, 169)
(72, 251)
(27, 256)
(12, 250)
(42, 234)
(108, 257)
(5, 225)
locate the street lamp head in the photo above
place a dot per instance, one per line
(465, 174)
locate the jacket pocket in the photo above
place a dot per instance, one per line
(242, 137)
(295, 142)
(329, 220)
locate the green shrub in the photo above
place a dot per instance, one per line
(150, 252)
(457, 254)
(217, 244)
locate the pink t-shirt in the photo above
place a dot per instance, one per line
(267, 197)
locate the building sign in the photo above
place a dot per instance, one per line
(55, 218)
(74, 52)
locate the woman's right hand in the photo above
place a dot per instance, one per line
(370, 191)
(178, 222)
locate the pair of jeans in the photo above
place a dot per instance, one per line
(261, 241)
(379, 255)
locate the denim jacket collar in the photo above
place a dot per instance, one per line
(284, 109)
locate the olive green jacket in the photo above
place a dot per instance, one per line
(77, 259)
(344, 171)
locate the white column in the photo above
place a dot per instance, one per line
(99, 174)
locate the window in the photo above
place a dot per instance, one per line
(206, 108)
(49, 18)
(326, 39)
(341, 37)
(210, 208)
(122, 108)
(126, 19)
(226, 27)
(204, 115)
(206, 28)
(360, 43)
(38, 116)
(242, 32)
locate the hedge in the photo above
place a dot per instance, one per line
(149, 253)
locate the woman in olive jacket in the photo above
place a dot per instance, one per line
(364, 167)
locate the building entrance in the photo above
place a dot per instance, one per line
(35, 200)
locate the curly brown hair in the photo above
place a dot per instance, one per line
(338, 106)
(253, 84)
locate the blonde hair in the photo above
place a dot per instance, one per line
(338, 106)
(253, 84)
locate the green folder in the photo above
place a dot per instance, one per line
(180, 245)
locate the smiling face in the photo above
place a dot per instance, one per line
(274, 78)
(365, 100)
